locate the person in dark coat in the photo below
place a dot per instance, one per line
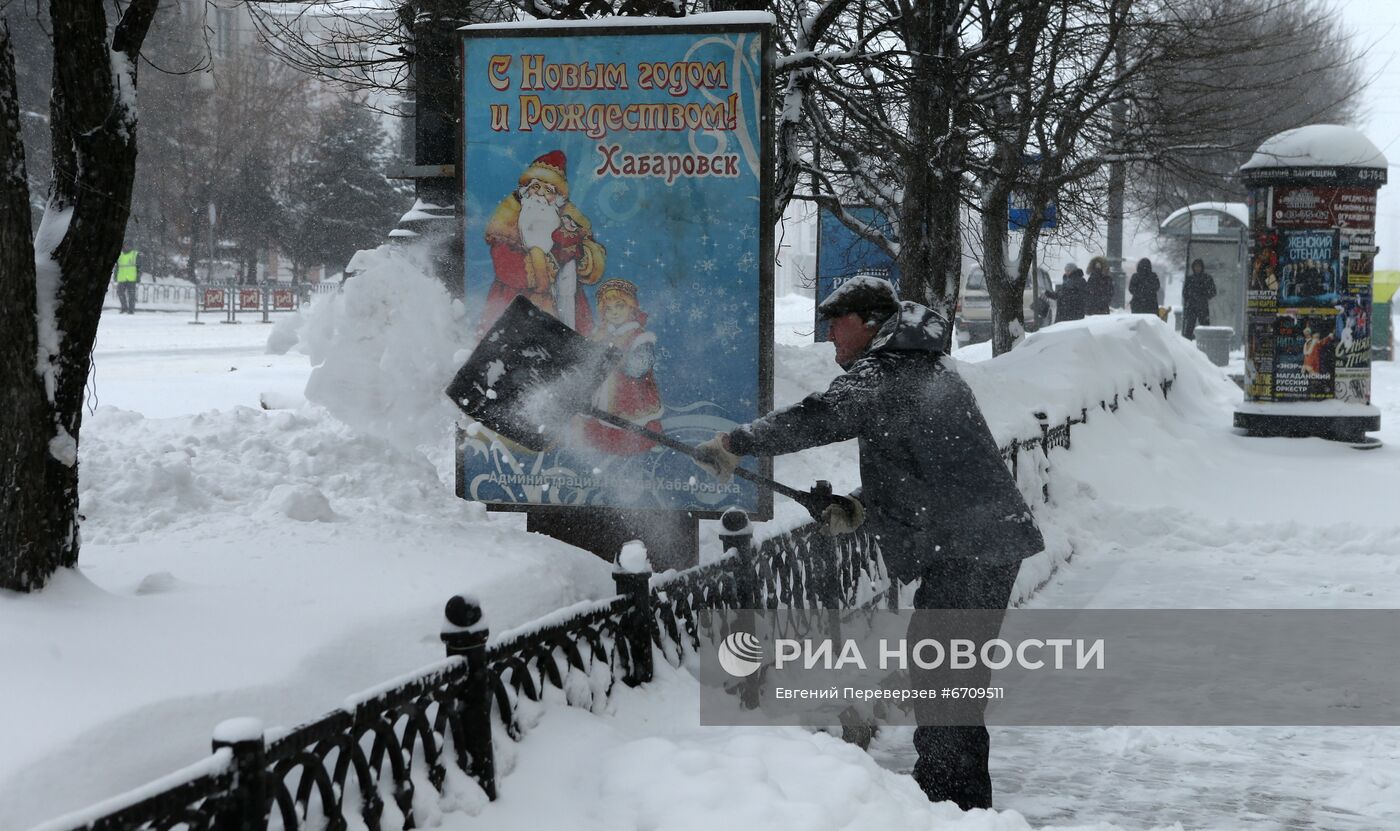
(1099, 296)
(933, 489)
(1195, 299)
(1070, 298)
(1145, 289)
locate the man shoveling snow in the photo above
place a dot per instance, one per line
(933, 490)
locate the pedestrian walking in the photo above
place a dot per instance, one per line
(1195, 299)
(127, 278)
(1099, 296)
(934, 488)
(1145, 289)
(1070, 298)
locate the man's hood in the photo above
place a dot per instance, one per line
(914, 328)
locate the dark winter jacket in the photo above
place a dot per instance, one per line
(1099, 294)
(1197, 291)
(1071, 297)
(932, 479)
(1145, 289)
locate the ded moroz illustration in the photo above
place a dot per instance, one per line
(615, 181)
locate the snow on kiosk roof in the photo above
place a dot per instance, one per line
(705, 18)
(1317, 151)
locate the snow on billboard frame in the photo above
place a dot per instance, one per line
(697, 328)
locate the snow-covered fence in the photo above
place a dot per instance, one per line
(385, 758)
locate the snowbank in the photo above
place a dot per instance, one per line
(267, 563)
(385, 348)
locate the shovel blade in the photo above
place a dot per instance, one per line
(529, 376)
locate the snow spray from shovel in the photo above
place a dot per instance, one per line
(531, 374)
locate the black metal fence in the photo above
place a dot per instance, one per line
(373, 761)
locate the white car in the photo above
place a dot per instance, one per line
(974, 312)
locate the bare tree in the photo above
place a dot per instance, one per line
(1284, 65)
(229, 137)
(52, 284)
(875, 104)
(1180, 88)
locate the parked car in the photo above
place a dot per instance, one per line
(974, 313)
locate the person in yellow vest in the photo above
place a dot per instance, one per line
(127, 277)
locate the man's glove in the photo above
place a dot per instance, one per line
(715, 459)
(843, 516)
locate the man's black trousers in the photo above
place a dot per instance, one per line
(953, 759)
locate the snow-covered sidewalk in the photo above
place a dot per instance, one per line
(244, 561)
(1165, 507)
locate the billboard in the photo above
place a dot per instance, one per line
(1322, 206)
(618, 177)
(1308, 267)
(843, 254)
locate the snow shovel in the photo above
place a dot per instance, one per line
(531, 374)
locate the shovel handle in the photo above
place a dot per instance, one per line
(815, 503)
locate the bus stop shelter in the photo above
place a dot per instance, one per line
(1216, 233)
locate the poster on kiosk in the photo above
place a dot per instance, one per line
(616, 175)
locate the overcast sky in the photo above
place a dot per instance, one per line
(1375, 27)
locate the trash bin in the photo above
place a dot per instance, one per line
(1215, 342)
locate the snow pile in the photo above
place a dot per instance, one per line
(141, 476)
(1067, 368)
(385, 348)
(652, 768)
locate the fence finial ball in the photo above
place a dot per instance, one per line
(735, 520)
(462, 611)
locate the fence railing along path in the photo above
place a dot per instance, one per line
(373, 761)
(227, 299)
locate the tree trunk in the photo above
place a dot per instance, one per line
(1004, 289)
(25, 517)
(930, 255)
(52, 305)
(1030, 241)
(923, 228)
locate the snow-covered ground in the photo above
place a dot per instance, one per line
(269, 562)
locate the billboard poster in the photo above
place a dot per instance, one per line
(1304, 356)
(1256, 202)
(1323, 206)
(1359, 250)
(618, 177)
(843, 254)
(1354, 385)
(1354, 333)
(1262, 291)
(1259, 365)
(1308, 266)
